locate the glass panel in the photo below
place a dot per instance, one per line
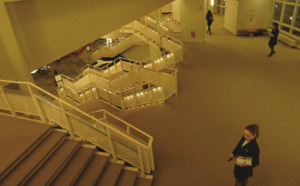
(297, 21)
(297, 33)
(287, 29)
(277, 11)
(223, 2)
(288, 14)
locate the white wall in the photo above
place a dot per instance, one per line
(192, 17)
(231, 15)
(176, 9)
(254, 14)
(137, 52)
(247, 14)
(49, 29)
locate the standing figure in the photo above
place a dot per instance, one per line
(273, 38)
(209, 19)
(247, 147)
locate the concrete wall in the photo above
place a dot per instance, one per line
(176, 9)
(254, 14)
(137, 52)
(192, 17)
(231, 15)
(247, 14)
(6, 70)
(47, 30)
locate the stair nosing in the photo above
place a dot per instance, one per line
(40, 163)
(26, 153)
(63, 165)
(74, 146)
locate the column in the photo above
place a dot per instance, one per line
(192, 17)
(11, 46)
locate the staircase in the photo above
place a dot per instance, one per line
(122, 84)
(117, 82)
(37, 154)
(118, 48)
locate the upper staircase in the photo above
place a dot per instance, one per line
(37, 154)
(122, 83)
(125, 83)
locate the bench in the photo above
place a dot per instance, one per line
(285, 39)
(251, 32)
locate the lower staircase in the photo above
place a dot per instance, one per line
(38, 154)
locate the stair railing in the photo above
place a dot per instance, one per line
(160, 28)
(33, 103)
(123, 98)
(115, 49)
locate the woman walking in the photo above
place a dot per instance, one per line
(246, 147)
(209, 19)
(273, 38)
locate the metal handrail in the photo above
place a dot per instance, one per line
(131, 126)
(111, 45)
(163, 34)
(81, 74)
(81, 112)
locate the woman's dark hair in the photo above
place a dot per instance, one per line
(275, 24)
(254, 129)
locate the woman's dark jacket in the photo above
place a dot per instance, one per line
(208, 17)
(251, 149)
(273, 40)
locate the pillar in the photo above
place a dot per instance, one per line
(11, 46)
(192, 17)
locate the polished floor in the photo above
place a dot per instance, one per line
(225, 84)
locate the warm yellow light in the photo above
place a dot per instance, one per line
(212, 2)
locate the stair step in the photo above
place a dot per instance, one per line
(147, 181)
(75, 166)
(32, 162)
(19, 139)
(127, 177)
(55, 163)
(93, 170)
(110, 174)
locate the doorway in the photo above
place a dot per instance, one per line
(220, 7)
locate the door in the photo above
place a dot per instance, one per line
(220, 7)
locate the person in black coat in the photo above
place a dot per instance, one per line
(248, 147)
(273, 38)
(209, 19)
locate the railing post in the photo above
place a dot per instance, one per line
(108, 97)
(35, 101)
(71, 131)
(108, 70)
(112, 147)
(89, 75)
(128, 129)
(134, 96)
(150, 92)
(152, 158)
(122, 101)
(163, 89)
(13, 113)
(141, 160)
(121, 64)
(176, 83)
(104, 115)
